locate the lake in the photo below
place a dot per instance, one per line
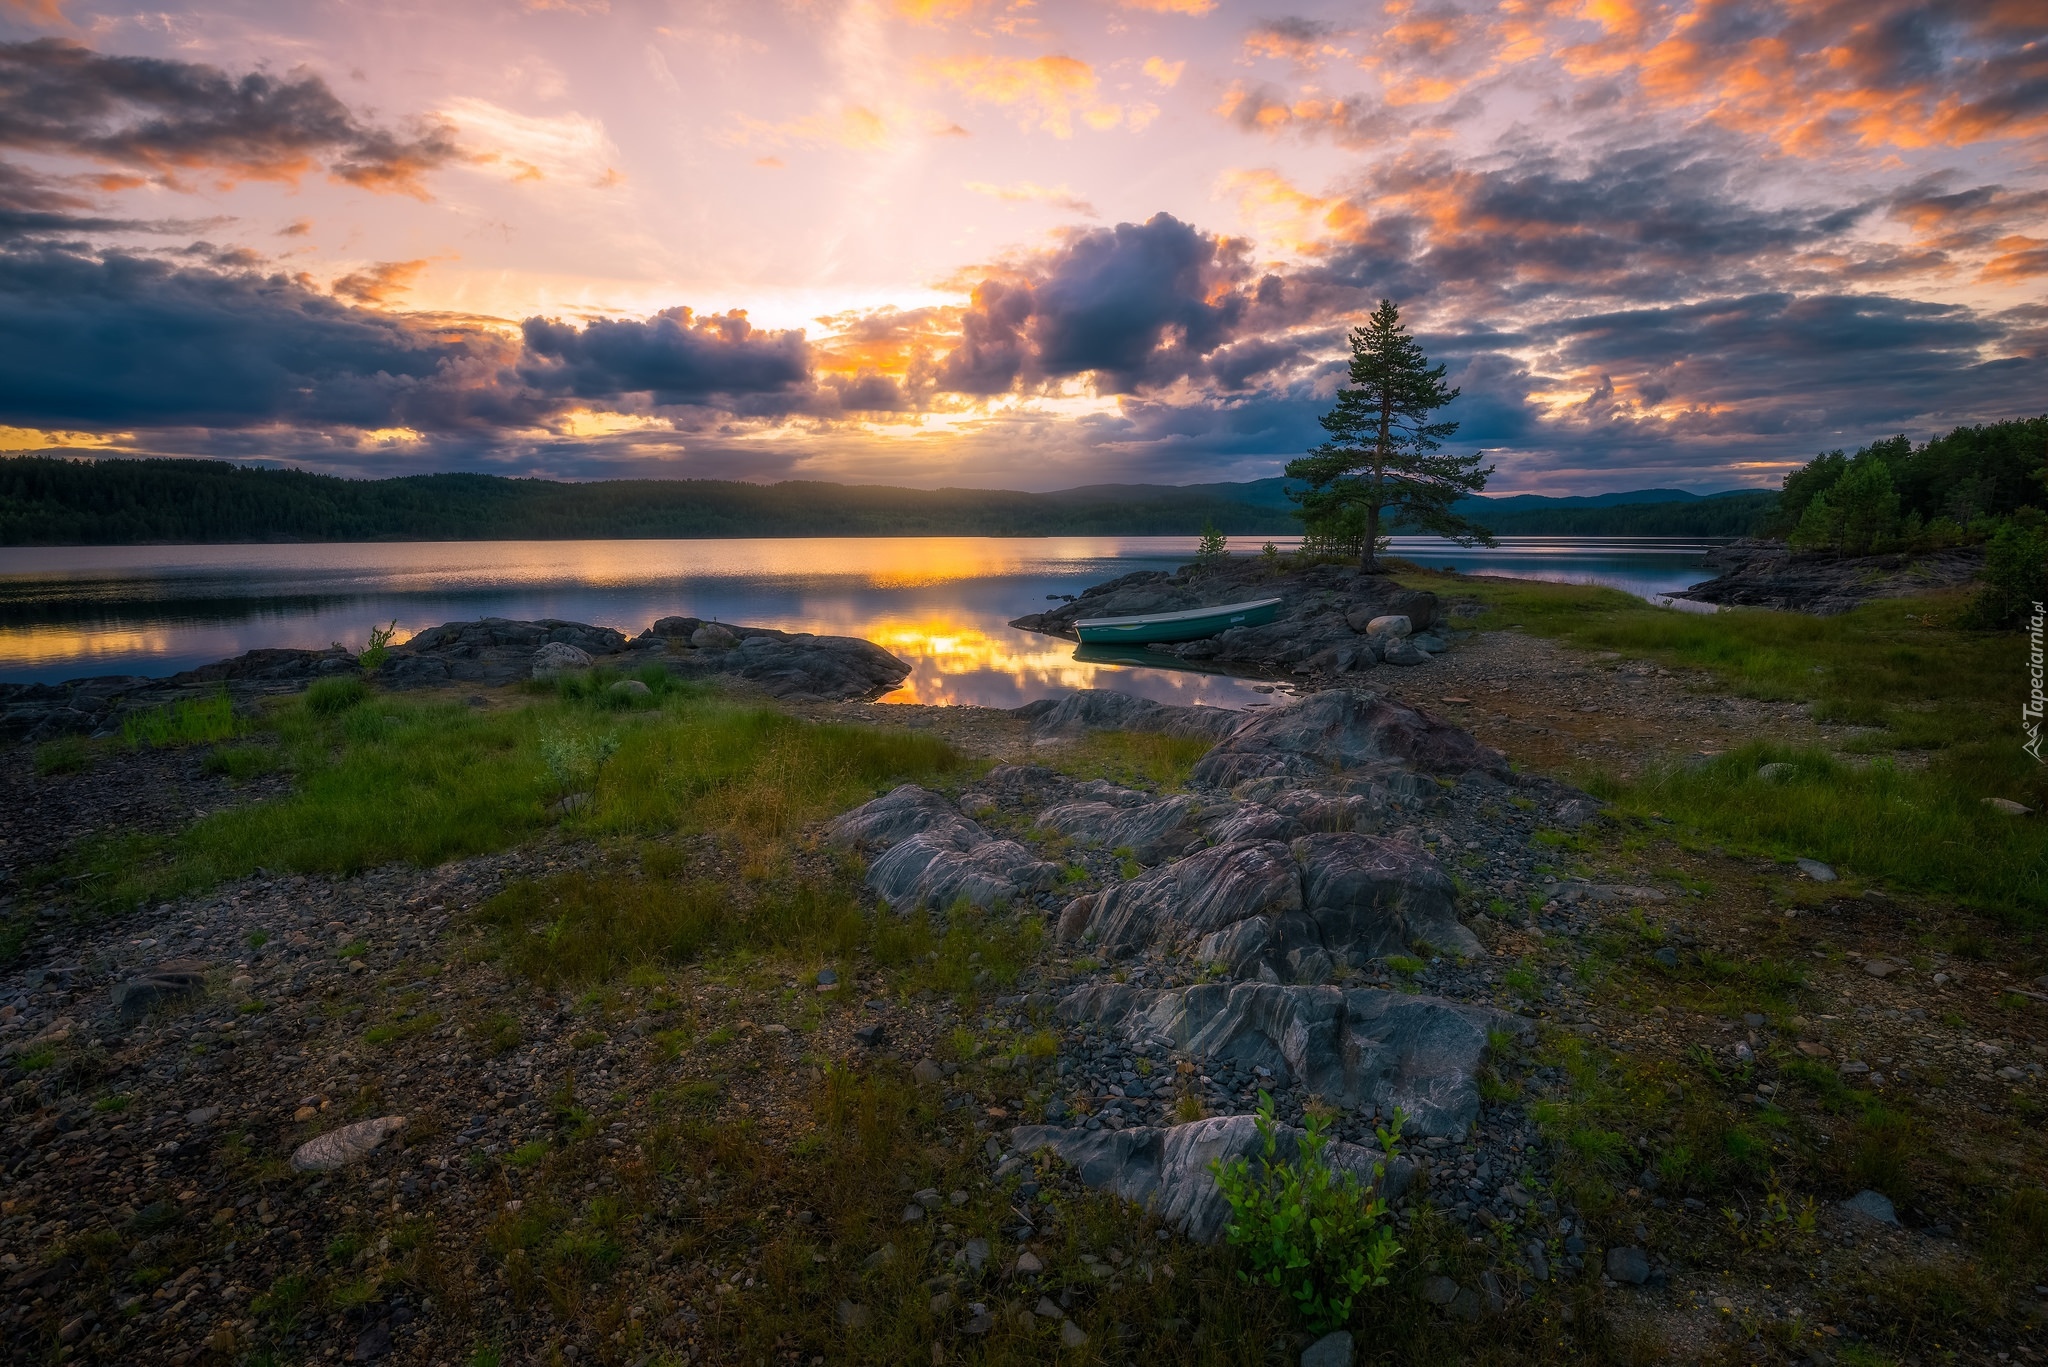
(940, 603)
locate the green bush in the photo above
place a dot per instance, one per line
(1320, 1237)
(379, 648)
(2015, 572)
(332, 697)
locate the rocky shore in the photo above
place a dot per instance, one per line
(495, 651)
(1769, 574)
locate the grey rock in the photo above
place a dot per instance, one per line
(1466, 1305)
(1439, 1290)
(558, 657)
(1872, 1205)
(1343, 729)
(171, 981)
(2005, 806)
(1363, 1047)
(1097, 709)
(852, 1316)
(631, 688)
(1767, 574)
(202, 1117)
(1370, 897)
(1072, 1335)
(373, 1343)
(1392, 625)
(1817, 871)
(935, 855)
(1778, 771)
(1252, 822)
(1403, 651)
(1192, 897)
(1168, 1170)
(1331, 1350)
(1539, 1262)
(713, 636)
(349, 1144)
(1667, 956)
(1630, 1266)
(1154, 831)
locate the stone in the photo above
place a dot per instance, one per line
(1168, 1170)
(630, 688)
(202, 1117)
(1342, 730)
(1355, 1048)
(1193, 897)
(912, 1213)
(1539, 1262)
(557, 658)
(1404, 651)
(1369, 897)
(1466, 1305)
(1099, 709)
(1778, 771)
(349, 1144)
(1391, 625)
(975, 1254)
(1439, 1290)
(1872, 1205)
(1072, 1335)
(1817, 871)
(936, 855)
(1630, 1266)
(714, 636)
(1331, 1350)
(1152, 832)
(1667, 957)
(2005, 806)
(852, 1316)
(374, 1343)
(1881, 968)
(828, 977)
(1028, 1264)
(928, 1072)
(171, 981)
(873, 1036)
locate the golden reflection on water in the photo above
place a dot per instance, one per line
(27, 647)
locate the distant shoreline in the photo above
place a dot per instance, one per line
(50, 502)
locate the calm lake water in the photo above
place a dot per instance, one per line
(940, 603)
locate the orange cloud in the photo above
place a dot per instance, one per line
(2020, 258)
(1195, 8)
(36, 11)
(1291, 218)
(1165, 72)
(1050, 92)
(378, 283)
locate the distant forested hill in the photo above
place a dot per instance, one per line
(50, 502)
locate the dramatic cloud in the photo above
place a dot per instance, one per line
(168, 118)
(675, 357)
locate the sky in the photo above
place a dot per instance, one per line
(1014, 243)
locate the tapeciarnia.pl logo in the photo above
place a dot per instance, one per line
(2030, 713)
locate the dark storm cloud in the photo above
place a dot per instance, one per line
(1135, 306)
(168, 117)
(119, 340)
(674, 356)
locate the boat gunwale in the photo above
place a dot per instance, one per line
(1186, 615)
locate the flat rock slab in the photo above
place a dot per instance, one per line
(1166, 1169)
(1151, 832)
(936, 856)
(1365, 1047)
(1342, 729)
(175, 980)
(1099, 709)
(349, 1144)
(1283, 913)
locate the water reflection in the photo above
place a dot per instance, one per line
(942, 604)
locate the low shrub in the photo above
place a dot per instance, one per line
(65, 755)
(332, 697)
(197, 721)
(1320, 1237)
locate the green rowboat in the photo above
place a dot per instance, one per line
(1191, 625)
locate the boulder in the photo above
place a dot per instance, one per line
(1370, 897)
(174, 980)
(631, 689)
(1151, 832)
(1404, 651)
(1192, 897)
(1343, 729)
(1872, 1205)
(713, 636)
(1355, 1048)
(935, 855)
(1167, 1169)
(1391, 625)
(1252, 822)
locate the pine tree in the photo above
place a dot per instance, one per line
(1381, 457)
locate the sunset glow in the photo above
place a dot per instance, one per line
(999, 243)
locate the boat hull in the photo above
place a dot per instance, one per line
(1180, 627)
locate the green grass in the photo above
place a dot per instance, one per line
(1923, 829)
(64, 755)
(240, 763)
(1134, 757)
(422, 781)
(198, 721)
(1947, 700)
(332, 697)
